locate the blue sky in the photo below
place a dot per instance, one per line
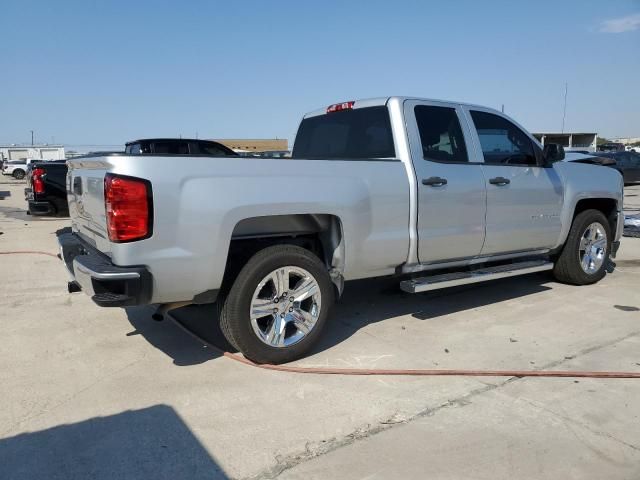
(87, 72)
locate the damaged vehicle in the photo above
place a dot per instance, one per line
(435, 193)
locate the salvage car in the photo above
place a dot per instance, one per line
(627, 163)
(16, 168)
(436, 193)
(46, 193)
(178, 146)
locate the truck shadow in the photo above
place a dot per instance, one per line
(363, 303)
(177, 344)
(22, 215)
(370, 301)
(153, 442)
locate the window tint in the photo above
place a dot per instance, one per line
(133, 149)
(359, 133)
(175, 148)
(440, 134)
(502, 142)
(215, 149)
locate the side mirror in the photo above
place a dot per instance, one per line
(553, 152)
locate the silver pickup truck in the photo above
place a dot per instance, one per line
(436, 193)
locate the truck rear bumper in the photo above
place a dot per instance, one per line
(107, 284)
(41, 208)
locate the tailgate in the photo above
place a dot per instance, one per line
(85, 194)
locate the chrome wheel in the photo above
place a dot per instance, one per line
(593, 248)
(285, 306)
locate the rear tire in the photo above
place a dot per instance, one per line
(18, 174)
(278, 305)
(585, 254)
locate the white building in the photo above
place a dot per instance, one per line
(570, 141)
(40, 152)
(627, 140)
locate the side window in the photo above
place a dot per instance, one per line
(209, 149)
(502, 142)
(172, 147)
(133, 149)
(440, 134)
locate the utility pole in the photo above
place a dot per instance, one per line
(31, 137)
(564, 111)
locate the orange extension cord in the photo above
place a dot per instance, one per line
(387, 372)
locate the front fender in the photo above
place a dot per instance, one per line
(587, 182)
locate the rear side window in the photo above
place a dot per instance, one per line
(174, 148)
(440, 134)
(133, 149)
(346, 134)
(214, 149)
(502, 142)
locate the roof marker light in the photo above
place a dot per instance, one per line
(338, 107)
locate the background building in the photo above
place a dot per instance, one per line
(41, 152)
(627, 140)
(570, 141)
(255, 145)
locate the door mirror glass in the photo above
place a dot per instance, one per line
(553, 152)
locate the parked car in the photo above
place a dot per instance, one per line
(611, 147)
(437, 193)
(584, 152)
(627, 163)
(16, 168)
(632, 148)
(46, 192)
(178, 146)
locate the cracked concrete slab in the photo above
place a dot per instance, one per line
(491, 436)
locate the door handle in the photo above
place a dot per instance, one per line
(434, 181)
(499, 181)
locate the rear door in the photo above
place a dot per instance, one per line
(451, 188)
(524, 199)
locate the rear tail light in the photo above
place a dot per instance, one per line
(128, 207)
(340, 106)
(37, 181)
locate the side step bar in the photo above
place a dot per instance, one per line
(453, 279)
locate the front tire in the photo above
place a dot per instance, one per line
(18, 174)
(585, 254)
(278, 305)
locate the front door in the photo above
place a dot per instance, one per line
(524, 198)
(451, 189)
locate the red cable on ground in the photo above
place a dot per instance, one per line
(388, 372)
(35, 252)
(411, 372)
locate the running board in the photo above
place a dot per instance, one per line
(453, 279)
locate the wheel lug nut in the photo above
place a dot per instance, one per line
(275, 310)
(291, 299)
(276, 300)
(291, 309)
